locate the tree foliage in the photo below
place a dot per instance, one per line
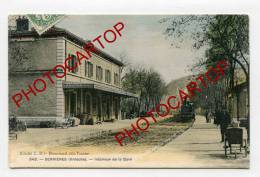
(146, 83)
(225, 37)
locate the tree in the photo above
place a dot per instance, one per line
(228, 38)
(148, 84)
(224, 36)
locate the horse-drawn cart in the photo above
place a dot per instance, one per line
(236, 138)
(15, 126)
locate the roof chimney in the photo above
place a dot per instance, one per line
(22, 24)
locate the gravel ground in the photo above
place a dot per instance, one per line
(157, 135)
(95, 149)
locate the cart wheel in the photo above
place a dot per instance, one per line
(246, 150)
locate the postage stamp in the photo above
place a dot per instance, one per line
(129, 91)
(42, 23)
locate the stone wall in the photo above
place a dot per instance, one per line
(43, 104)
(31, 55)
(28, 59)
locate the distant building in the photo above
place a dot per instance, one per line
(238, 96)
(94, 89)
(238, 101)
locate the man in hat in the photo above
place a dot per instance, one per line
(224, 121)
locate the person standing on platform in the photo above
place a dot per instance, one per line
(224, 120)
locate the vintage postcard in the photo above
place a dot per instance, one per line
(128, 91)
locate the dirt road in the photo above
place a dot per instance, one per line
(199, 147)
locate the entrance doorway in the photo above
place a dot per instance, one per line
(116, 107)
(70, 103)
(99, 107)
(88, 104)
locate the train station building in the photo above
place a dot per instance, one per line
(93, 89)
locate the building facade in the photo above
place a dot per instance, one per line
(238, 101)
(92, 90)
